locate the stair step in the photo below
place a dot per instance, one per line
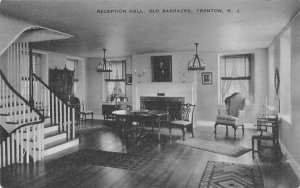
(54, 136)
(54, 133)
(59, 146)
(56, 143)
(51, 128)
(46, 125)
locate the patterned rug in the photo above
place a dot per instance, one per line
(132, 161)
(222, 174)
(89, 130)
(216, 147)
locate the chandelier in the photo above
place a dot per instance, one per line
(196, 63)
(104, 66)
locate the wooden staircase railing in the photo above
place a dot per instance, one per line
(53, 107)
(24, 124)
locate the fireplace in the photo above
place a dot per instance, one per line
(171, 104)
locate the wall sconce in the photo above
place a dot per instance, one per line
(141, 74)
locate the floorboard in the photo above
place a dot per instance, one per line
(172, 166)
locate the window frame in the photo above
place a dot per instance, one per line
(249, 76)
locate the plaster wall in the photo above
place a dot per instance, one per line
(205, 96)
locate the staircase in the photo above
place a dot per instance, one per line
(38, 124)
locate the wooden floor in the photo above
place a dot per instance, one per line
(173, 166)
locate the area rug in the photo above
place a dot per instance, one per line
(223, 174)
(216, 147)
(132, 161)
(89, 130)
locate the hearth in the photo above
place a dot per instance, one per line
(171, 104)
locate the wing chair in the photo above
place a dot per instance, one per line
(234, 115)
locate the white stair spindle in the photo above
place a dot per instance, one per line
(65, 117)
(52, 109)
(22, 144)
(27, 143)
(34, 142)
(73, 123)
(61, 117)
(8, 150)
(39, 142)
(4, 153)
(13, 148)
(17, 146)
(69, 112)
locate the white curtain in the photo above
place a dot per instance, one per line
(235, 76)
(115, 88)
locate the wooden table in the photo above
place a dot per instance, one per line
(125, 119)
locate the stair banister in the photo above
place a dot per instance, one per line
(24, 140)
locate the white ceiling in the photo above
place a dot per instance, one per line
(254, 26)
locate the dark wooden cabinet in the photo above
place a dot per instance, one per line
(61, 82)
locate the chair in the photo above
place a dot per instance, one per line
(187, 113)
(263, 134)
(83, 113)
(234, 115)
(122, 103)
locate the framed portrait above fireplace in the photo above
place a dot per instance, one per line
(161, 68)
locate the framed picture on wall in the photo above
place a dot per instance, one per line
(206, 78)
(161, 68)
(128, 79)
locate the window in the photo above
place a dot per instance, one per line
(235, 75)
(114, 81)
(285, 93)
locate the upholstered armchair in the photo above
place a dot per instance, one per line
(234, 115)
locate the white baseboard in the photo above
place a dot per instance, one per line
(290, 159)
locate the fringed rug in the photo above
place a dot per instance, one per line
(133, 161)
(216, 147)
(231, 175)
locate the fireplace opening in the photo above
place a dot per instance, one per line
(170, 104)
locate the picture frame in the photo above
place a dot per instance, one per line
(207, 78)
(161, 68)
(128, 79)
